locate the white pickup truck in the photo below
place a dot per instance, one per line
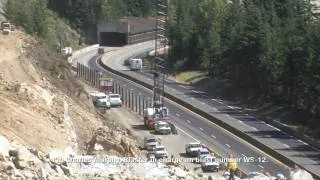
(162, 127)
(100, 99)
(193, 148)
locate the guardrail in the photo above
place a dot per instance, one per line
(206, 115)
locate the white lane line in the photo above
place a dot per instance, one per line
(213, 137)
(240, 121)
(177, 114)
(303, 142)
(201, 129)
(273, 127)
(203, 103)
(260, 166)
(183, 87)
(131, 89)
(228, 145)
(189, 121)
(198, 92)
(192, 98)
(173, 89)
(229, 116)
(230, 107)
(188, 134)
(215, 109)
(254, 128)
(286, 145)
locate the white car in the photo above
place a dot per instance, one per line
(193, 148)
(115, 100)
(160, 152)
(201, 154)
(162, 127)
(103, 103)
(209, 163)
(150, 142)
(100, 99)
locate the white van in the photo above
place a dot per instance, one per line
(136, 64)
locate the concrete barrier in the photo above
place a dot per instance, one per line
(235, 131)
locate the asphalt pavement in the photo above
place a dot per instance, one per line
(202, 130)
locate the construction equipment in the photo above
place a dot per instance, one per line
(157, 111)
(6, 28)
(106, 84)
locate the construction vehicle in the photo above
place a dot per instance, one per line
(106, 84)
(67, 51)
(6, 28)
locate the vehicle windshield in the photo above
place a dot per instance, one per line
(151, 140)
(195, 145)
(204, 152)
(114, 96)
(160, 149)
(102, 97)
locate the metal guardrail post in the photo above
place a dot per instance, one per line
(127, 97)
(139, 105)
(136, 103)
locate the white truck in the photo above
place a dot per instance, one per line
(67, 51)
(193, 148)
(210, 163)
(135, 64)
(162, 127)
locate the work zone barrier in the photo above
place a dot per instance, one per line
(136, 102)
(219, 122)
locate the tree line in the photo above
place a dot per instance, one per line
(268, 46)
(49, 19)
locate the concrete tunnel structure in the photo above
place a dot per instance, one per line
(127, 31)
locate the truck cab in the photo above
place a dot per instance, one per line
(193, 148)
(135, 64)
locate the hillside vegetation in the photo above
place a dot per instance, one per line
(267, 47)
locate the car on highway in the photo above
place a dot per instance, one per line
(105, 103)
(193, 148)
(162, 127)
(150, 142)
(209, 163)
(201, 154)
(100, 99)
(160, 152)
(101, 50)
(115, 100)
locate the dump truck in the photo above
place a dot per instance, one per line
(151, 115)
(106, 84)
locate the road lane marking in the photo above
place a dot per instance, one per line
(260, 166)
(189, 121)
(229, 116)
(198, 92)
(131, 89)
(303, 142)
(286, 145)
(213, 137)
(177, 114)
(230, 107)
(228, 145)
(203, 103)
(254, 128)
(240, 121)
(201, 129)
(273, 127)
(187, 134)
(183, 87)
(192, 98)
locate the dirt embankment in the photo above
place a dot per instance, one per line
(44, 107)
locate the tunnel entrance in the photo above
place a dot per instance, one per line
(112, 39)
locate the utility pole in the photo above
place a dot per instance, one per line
(160, 43)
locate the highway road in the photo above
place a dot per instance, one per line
(200, 129)
(196, 127)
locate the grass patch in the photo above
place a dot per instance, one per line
(189, 77)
